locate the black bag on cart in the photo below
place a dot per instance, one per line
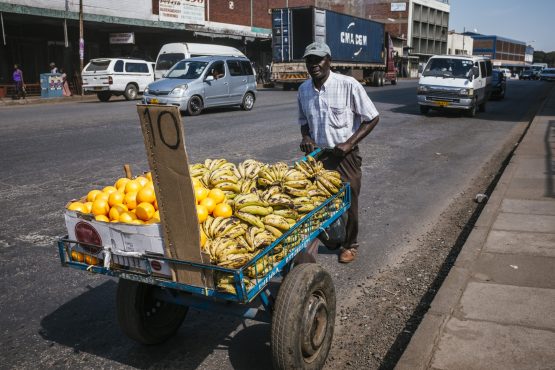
(334, 235)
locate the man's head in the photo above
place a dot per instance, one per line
(15, 66)
(318, 60)
(52, 64)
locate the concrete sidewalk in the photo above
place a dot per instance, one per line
(32, 100)
(496, 308)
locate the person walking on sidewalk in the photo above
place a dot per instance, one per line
(65, 85)
(19, 84)
(335, 113)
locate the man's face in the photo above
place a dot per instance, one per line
(318, 67)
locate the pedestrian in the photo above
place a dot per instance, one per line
(65, 85)
(335, 114)
(19, 84)
(53, 68)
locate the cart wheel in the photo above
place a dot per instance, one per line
(144, 318)
(303, 319)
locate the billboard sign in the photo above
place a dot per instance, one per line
(182, 11)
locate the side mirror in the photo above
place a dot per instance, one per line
(164, 75)
(209, 78)
(475, 72)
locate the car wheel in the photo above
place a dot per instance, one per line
(472, 111)
(194, 106)
(424, 109)
(248, 101)
(131, 92)
(103, 96)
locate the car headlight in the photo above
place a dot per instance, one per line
(179, 90)
(422, 89)
(466, 92)
(146, 91)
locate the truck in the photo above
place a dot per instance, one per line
(360, 47)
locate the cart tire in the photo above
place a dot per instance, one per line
(143, 318)
(303, 319)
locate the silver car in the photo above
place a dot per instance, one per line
(205, 82)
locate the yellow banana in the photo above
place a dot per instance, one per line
(286, 212)
(274, 230)
(257, 210)
(276, 221)
(228, 186)
(295, 192)
(298, 184)
(250, 219)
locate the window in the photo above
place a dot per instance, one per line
(136, 67)
(118, 67)
(166, 61)
(234, 68)
(98, 65)
(217, 69)
(187, 70)
(247, 68)
(483, 69)
(448, 67)
(489, 68)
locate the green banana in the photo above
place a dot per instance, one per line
(257, 210)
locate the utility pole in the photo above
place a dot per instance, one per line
(81, 41)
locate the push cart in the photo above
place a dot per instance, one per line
(150, 308)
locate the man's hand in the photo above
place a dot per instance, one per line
(307, 145)
(342, 149)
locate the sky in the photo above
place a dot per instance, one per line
(530, 21)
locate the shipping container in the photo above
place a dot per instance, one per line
(359, 47)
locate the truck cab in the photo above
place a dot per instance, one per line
(455, 82)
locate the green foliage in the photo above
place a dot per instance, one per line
(543, 57)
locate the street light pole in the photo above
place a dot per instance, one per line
(81, 42)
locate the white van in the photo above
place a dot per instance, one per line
(117, 76)
(172, 53)
(455, 82)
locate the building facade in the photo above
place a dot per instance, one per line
(459, 44)
(504, 52)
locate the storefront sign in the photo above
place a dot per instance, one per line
(182, 11)
(122, 38)
(398, 7)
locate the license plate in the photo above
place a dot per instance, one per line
(443, 103)
(98, 88)
(154, 101)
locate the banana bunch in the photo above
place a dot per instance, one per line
(260, 268)
(197, 170)
(215, 227)
(328, 182)
(249, 169)
(226, 283)
(257, 238)
(310, 167)
(273, 174)
(247, 185)
(225, 251)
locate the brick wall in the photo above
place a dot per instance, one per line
(382, 12)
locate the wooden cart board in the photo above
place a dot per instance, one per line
(164, 139)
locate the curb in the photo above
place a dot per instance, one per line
(4, 102)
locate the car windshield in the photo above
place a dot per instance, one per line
(447, 67)
(187, 69)
(166, 61)
(548, 70)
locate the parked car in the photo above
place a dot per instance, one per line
(547, 74)
(498, 84)
(117, 76)
(204, 82)
(527, 74)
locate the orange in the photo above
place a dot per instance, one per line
(222, 210)
(146, 194)
(130, 200)
(102, 218)
(217, 194)
(103, 196)
(202, 237)
(209, 203)
(116, 211)
(202, 213)
(92, 195)
(155, 204)
(121, 182)
(148, 175)
(77, 206)
(127, 217)
(91, 260)
(77, 256)
(132, 186)
(88, 207)
(137, 222)
(200, 193)
(100, 207)
(196, 182)
(142, 180)
(109, 189)
(115, 198)
(156, 216)
(145, 211)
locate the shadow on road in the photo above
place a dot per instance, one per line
(88, 324)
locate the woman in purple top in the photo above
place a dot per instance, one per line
(18, 80)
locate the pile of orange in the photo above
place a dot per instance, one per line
(131, 201)
(210, 202)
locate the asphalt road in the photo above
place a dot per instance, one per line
(413, 167)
